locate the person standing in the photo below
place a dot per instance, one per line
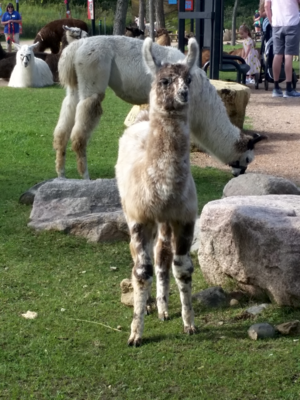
(284, 18)
(11, 20)
(249, 53)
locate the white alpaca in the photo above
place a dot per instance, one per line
(157, 190)
(29, 71)
(88, 66)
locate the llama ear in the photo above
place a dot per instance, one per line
(33, 45)
(17, 46)
(148, 56)
(66, 28)
(256, 138)
(192, 57)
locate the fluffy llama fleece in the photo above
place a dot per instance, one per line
(88, 66)
(158, 192)
(50, 36)
(29, 71)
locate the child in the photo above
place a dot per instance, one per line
(249, 53)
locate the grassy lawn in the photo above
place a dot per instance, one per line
(67, 352)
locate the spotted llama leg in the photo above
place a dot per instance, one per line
(142, 275)
(182, 270)
(163, 261)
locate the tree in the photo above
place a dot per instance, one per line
(120, 17)
(160, 14)
(142, 14)
(233, 28)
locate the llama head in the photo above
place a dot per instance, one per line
(133, 31)
(171, 81)
(246, 146)
(25, 54)
(74, 33)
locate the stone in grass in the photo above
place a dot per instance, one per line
(289, 328)
(127, 292)
(262, 331)
(213, 297)
(28, 196)
(255, 310)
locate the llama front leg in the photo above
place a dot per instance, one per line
(88, 113)
(142, 275)
(163, 261)
(183, 269)
(63, 129)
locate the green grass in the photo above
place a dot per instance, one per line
(64, 353)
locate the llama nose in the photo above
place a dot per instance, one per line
(183, 93)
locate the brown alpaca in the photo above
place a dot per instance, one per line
(51, 34)
(163, 37)
(158, 192)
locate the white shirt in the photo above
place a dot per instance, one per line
(284, 12)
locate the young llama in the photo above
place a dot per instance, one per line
(157, 190)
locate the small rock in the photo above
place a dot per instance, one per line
(213, 297)
(261, 331)
(234, 303)
(289, 328)
(127, 292)
(255, 310)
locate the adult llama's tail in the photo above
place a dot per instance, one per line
(66, 67)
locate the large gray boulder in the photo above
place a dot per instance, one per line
(90, 209)
(259, 185)
(255, 241)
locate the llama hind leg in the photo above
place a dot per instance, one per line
(183, 269)
(142, 275)
(63, 130)
(163, 261)
(88, 113)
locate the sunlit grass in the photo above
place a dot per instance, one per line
(64, 353)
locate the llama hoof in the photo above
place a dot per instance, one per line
(132, 342)
(164, 316)
(190, 330)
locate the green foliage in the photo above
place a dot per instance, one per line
(69, 350)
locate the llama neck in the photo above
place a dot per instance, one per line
(168, 144)
(217, 135)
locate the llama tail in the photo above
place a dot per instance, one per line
(66, 66)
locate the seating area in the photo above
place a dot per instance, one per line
(232, 63)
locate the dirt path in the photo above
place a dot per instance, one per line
(279, 119)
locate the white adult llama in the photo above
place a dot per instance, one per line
(158, 192)
(29, 71)
(88, 66)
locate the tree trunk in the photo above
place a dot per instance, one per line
(120, 17)
(160, 14)
(151, 18)
(142, 14)
(233, 27)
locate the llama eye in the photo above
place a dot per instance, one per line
(247, 160)
(165, 81)
(188, 80)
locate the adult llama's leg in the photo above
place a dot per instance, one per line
(142, 274)
(63, 129)
(183, 269)
(163, 261)
(88, 113)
